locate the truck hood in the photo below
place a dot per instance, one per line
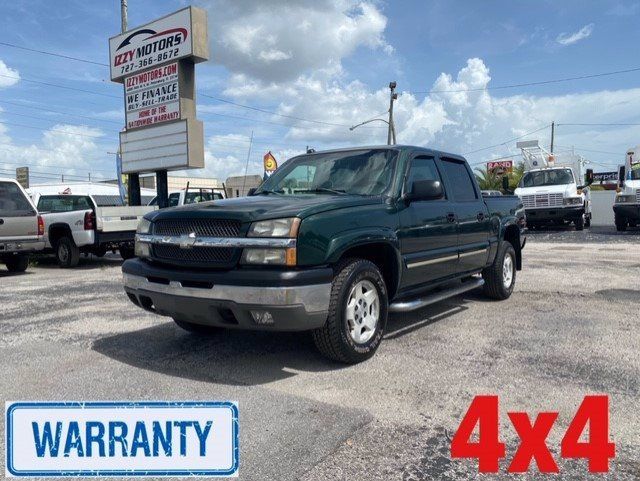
(567, 190)
(261, 207)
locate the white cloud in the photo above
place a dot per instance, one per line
(280, 40)
(571, 38)
(8, 76)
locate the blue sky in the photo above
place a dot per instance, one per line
(330, 61)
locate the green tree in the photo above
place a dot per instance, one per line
(487, 180)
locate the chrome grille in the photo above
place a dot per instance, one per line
(637, 195)
(202, 227)
(196, 255)
(542, 200)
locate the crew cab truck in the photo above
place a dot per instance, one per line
(554, 189)
(78, 222)
(21, 228)
(626, 208)
(331, 243)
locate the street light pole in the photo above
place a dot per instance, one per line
(391, 134)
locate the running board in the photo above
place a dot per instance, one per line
(406, 306)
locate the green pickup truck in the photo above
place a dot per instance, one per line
(332, 243)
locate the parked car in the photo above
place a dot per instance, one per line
(192, 195)
(21, 228)
(331, 243)
(79, 222)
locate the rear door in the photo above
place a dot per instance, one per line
(18, 218)
(428, 237)
(472, 215)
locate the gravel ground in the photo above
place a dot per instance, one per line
(570, 329)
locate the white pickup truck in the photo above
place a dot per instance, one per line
(79, 222)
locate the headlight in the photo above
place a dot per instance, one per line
(275, 228)
(623, 199)
(142, 249)
(573, 201)
(144, 226)
(265, 256)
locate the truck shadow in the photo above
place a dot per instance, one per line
(45, 261)
(244, 358)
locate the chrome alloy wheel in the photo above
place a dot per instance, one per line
(63, 253)
(507, 271)
(362, 311)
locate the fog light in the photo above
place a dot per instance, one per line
(262, 317)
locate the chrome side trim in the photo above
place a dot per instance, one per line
(230, 242)
(474, 252)
(432, 261)
(407, 306)
(314, 298)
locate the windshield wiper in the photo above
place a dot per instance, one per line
(324, 189)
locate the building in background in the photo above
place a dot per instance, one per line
(178, 183)
(238, 186)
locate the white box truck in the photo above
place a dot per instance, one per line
(555, 187)
(626, 208)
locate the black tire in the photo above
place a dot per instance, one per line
(334, 340)
(587, 221)
(197, 328)
(579, 222)
(494, 281)
(127, 252)
(17, 263)
(621, 223)
(633, 223)
(67, 252)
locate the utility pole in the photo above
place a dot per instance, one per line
(246, 167)
(133, 180)
(553, 133)
(391, 134)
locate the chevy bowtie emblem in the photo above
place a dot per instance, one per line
(188, 241)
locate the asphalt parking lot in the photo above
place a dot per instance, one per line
(570, 329)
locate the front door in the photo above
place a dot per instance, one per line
(474, 224)
(428, 235)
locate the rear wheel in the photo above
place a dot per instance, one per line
(196, 328)
(357, 313)
(17, 263)
(500, 277)
(621, 223)
(67, 252)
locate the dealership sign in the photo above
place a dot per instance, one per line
(152, 96)
(500, 167)
(121, 439)
(605, 176)
(179, 35)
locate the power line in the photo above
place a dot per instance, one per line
(507, 141)
(601, 125)
(44, 52)
(57, 112)
(47, 150)
(48, 84)
(529, 84)
(50, 130)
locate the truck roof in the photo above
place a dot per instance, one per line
(426, 150)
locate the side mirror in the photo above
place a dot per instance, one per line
(622, 172)
(425, 190)
(251, 191)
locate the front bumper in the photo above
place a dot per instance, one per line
(20, 246)
(548, 214)
(628, 211)
(296, 300)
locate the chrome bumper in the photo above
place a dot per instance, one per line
(21, 246)
(314, 298)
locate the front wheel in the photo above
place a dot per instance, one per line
(67, 252)
(17, 263)
(357, 313)
(500, 277)
(621, 223)
(579, 222)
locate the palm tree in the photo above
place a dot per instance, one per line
(488, 180)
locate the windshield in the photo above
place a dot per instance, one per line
(547, 177)
(356, 172)
(635, 173)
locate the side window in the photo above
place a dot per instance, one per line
(174, 199)
(154, 201)
(461, 184)
(422, 168)
(12, 201)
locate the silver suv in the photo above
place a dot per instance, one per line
(21, 228)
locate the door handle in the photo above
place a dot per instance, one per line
(480, 216)
(451, 217)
